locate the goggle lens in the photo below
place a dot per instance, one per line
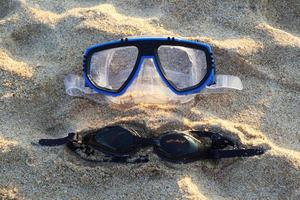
(116, 139)
(177, 145)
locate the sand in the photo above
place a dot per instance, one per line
(42, 41)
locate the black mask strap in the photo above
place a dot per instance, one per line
(217, 154)
(57, 142)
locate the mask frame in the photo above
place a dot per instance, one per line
(147, 49)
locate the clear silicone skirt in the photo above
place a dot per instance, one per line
(148, 87)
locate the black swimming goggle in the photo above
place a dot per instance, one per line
(119, 144)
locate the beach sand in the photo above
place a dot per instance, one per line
(42, 41)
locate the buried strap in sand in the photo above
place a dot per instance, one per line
(120, 144)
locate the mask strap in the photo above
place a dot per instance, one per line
(223, 83)
(75, 86)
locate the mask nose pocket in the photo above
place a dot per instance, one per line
(148, 87)
(148, 82)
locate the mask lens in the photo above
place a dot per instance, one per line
(111, 68)
(184, 67)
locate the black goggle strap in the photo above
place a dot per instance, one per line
(69, 140)
(217, 153)
(113, 159)
(218, 141)
(58, 141)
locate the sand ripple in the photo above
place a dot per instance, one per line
(42, 41)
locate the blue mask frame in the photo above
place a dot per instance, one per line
(147, 48)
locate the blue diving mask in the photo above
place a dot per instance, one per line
(149, 70)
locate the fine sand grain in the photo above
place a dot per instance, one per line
(42, 40)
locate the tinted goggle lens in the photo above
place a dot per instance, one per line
(177, 145)
(116, 139)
